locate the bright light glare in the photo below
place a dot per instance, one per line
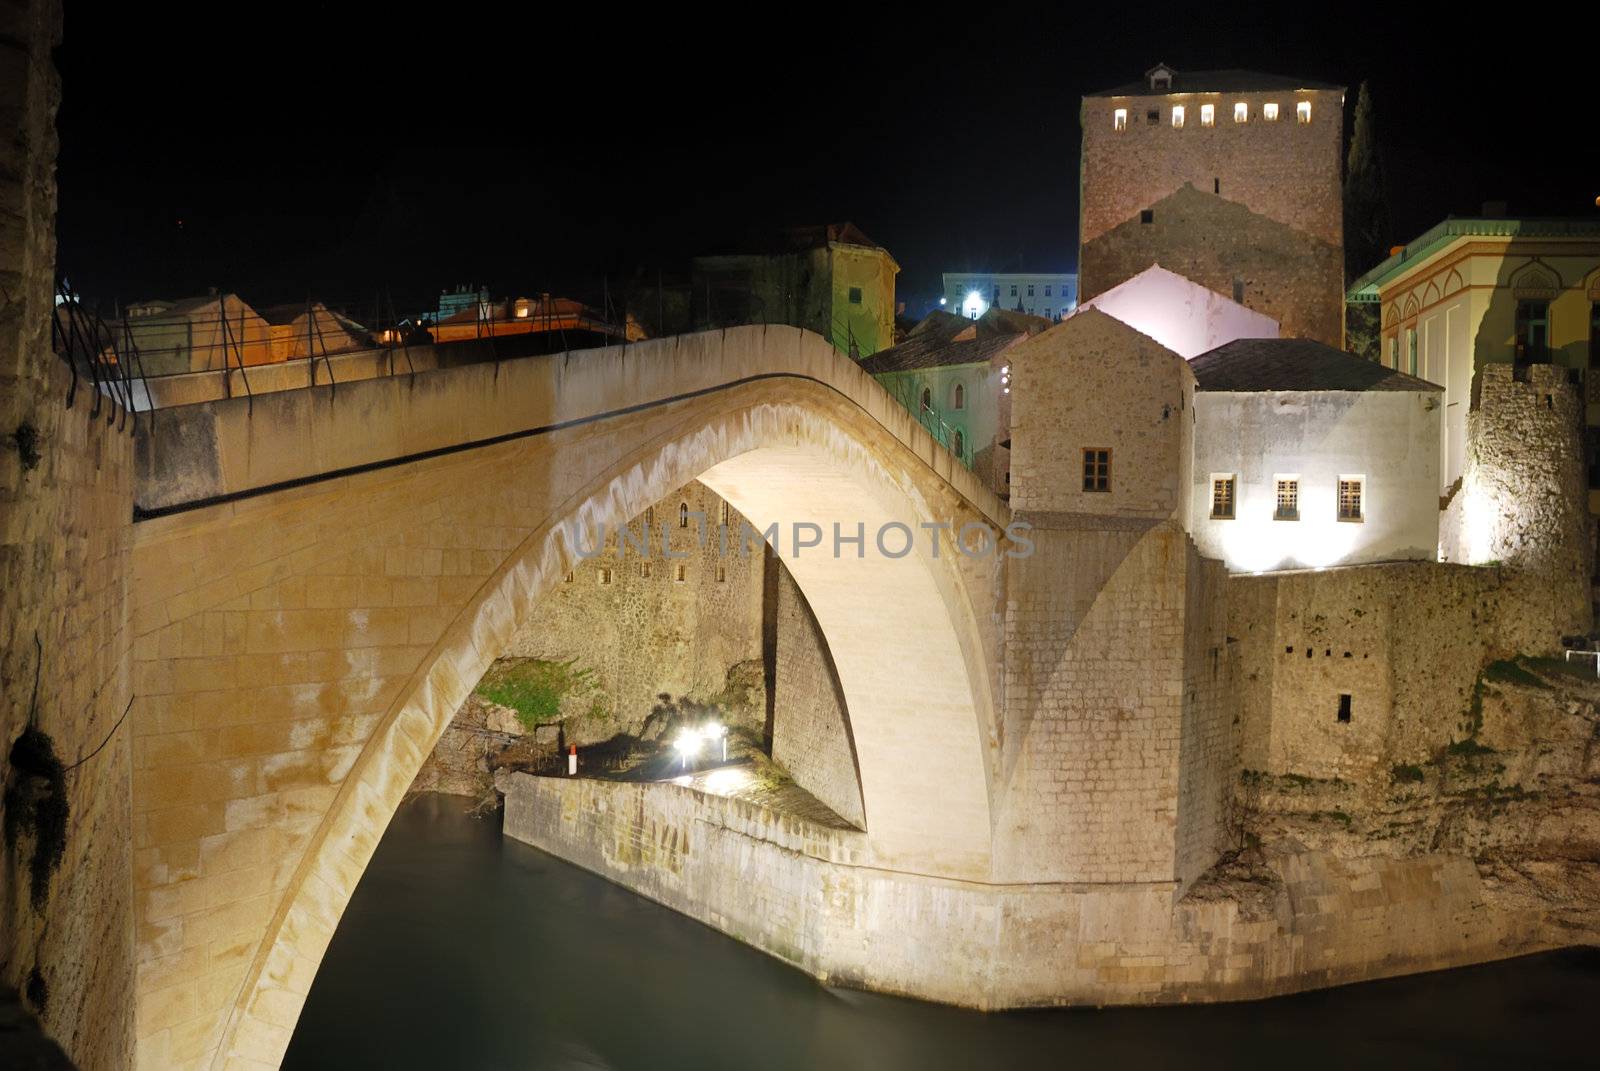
(688, 743)
(974, 306)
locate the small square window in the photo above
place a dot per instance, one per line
(855, 295)
(1177, 116)
(1350, 498)
(1119, 119)
(1097, 469)
(1222, 498)
(1288, 499)
(1241, 112)
(1302, 111)
(1152, 117)
(1147, 215)
(1269, 111)
(1208, 115)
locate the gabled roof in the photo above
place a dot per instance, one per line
(1232, 80)
(944, 340)
(1294, 364)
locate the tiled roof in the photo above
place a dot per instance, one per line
(1225, 81)
(1299, 364)
(943, 340)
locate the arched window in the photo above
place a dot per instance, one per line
(960, 444)
(958, 397)
(927, 399)
(683, 514)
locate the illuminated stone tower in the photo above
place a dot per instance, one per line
(1231, 178)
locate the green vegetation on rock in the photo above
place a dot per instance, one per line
(535, 687)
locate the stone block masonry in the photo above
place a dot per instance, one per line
(807, 895)
(65, 539)
(1252, 209)
(810, 721)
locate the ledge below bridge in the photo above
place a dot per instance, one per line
(799, 892)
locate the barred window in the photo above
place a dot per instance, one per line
(644, 570)
(1222, 498)
(723, 513)
(1350, 505)
(1097, 469)
(605, 574)
(1288, 500)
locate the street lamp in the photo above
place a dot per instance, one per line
(688, 745)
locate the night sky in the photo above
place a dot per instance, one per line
(280, 150)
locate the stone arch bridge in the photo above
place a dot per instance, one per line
(1047, 744)
(321, 579)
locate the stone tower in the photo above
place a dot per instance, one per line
(1231, 178)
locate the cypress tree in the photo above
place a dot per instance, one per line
(1366, 222)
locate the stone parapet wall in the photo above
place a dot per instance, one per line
(804, 895)
(65, 537)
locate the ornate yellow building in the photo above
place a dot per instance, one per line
(1471, 292)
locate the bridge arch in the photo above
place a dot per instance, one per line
(907, 634)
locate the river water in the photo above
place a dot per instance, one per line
(461, 949)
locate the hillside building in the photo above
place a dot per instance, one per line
(1050, 295)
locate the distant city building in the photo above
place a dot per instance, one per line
(462, 299)
(223, 331)
(1230, 178)
(1471, 292)
(973, 293)
(830, 279)
(578, 325)
(1180, 314)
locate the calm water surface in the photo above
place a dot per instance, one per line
(461, 949)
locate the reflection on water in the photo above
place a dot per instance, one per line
(464, 950)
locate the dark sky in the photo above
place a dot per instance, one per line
(301, 149)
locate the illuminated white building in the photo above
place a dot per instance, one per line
(1306, 457)
(1179, 313)
(1048, 294)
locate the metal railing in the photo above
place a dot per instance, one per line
(93, 350)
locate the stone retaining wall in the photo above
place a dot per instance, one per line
(804, 894)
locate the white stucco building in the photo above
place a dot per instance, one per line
(1182, 315)
(1306, 457)
(1048, 294)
